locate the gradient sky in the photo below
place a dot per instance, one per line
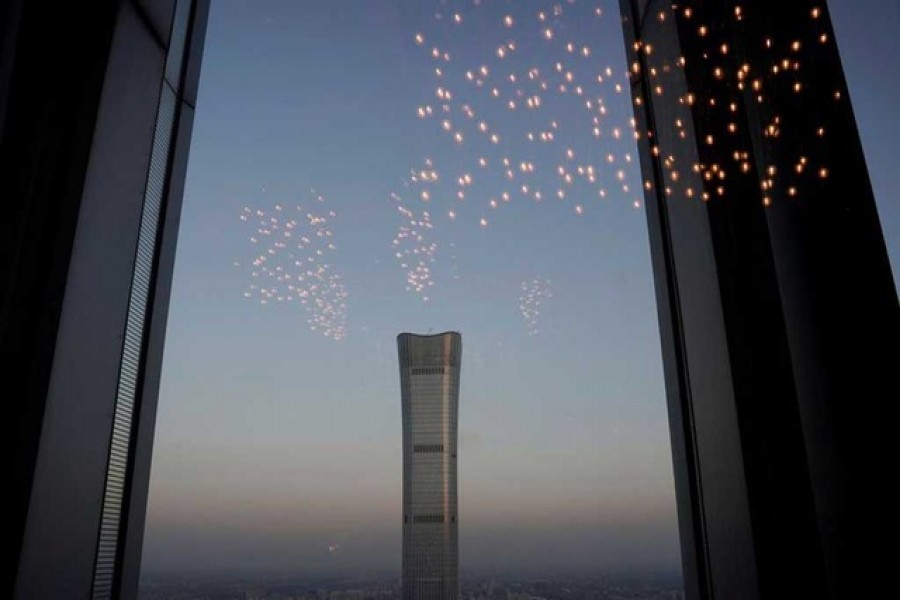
(277, 446)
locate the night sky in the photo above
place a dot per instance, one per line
(359, 169)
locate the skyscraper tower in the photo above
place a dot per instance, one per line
(429, 389)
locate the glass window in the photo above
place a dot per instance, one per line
(361, 169)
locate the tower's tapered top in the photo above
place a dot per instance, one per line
(438, 349)
(428, 335)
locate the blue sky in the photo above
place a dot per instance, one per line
(274, 440)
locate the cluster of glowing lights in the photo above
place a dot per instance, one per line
(529, 120)
(292, 247)
(534, 293)
(773, 88)
(414, 247)
(523, 110)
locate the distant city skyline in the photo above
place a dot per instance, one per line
(625, 587)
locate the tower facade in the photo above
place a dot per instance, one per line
(429, 389)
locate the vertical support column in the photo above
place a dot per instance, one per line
(776, 301)
(136, 499)
(91, 412)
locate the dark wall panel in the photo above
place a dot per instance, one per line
(777, 308)
(63, 521)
